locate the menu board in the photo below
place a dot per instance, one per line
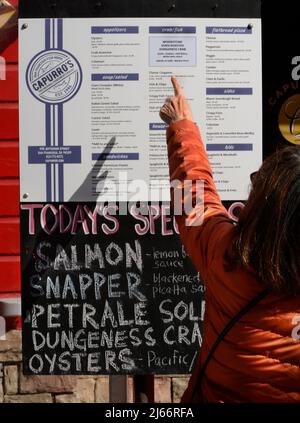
(95, 87)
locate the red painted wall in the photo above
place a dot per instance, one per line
(9, 173)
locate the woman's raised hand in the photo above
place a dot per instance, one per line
(176, 108)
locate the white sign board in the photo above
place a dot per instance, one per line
(91, 91)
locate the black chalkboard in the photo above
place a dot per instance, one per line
(108, 295)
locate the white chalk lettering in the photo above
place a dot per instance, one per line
(39, 363)
(134, 281)
(52, 316)
(35, 284)
(70, 308)
(114, 248)
(44, 262)
(93, 363)
(88, 312)
(112, 286)
(135, 256)
(93, 255)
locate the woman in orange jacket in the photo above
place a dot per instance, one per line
(252, 266)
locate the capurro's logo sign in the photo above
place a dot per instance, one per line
(2, 69)
(289, 119)
(289, 115)
(54, 76)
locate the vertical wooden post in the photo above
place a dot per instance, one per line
(118, 389)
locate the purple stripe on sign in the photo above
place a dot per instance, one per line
(60, 112)
(236, 30)
(48, 123)
(47, 34)
(54, 182)
(60, 144)
(229, 147)
(172, 30)
(54, 142)
(48, 182)
(229, 91)
(48, 119)
(53, 124)
(115, 156)
(60, 34)
(54, 155)
(115, 77)
(48, 144)
(60, 118)
(157, 126)
(53, 33)
(115, 29)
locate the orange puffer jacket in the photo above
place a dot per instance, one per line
(259, 359)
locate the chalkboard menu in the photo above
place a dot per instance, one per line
(105, 293)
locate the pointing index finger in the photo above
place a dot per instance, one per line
(177, 88)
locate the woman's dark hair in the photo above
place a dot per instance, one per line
(267, 237)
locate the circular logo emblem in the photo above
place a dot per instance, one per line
(289, 119)
(54, 76)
